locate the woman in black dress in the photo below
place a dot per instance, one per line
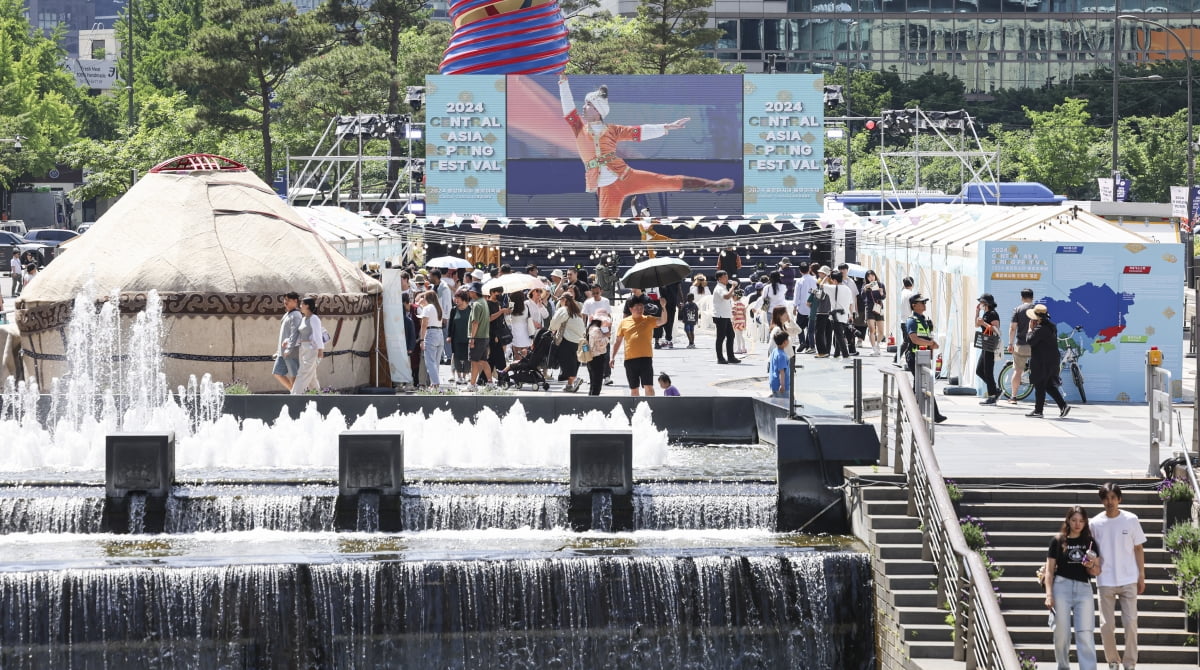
(1044, 361)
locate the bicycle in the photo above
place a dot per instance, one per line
(1072, 352)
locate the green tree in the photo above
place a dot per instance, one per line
(36, 97)
(162, 31)
(672, 33)
(1058, 152)
(606, 44)
(168, 127)
(240, 56)
(1154, 155)
(345, 80)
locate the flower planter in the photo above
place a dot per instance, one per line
(1176, 512)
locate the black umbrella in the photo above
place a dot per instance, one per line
(656, 272)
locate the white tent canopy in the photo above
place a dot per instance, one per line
(358, 239)
(937, 245)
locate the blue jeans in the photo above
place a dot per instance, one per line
(435, 345)
(1074, 607)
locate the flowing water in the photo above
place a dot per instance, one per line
(250, 572)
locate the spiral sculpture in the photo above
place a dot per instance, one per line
(506, 37)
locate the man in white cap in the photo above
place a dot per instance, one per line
(607, 174)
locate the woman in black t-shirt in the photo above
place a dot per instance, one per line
(989, 324)
(1072, 559)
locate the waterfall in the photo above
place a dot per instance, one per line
(482, 506)
(790, 609)
(699, 505)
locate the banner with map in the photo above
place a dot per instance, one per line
(1125, 297)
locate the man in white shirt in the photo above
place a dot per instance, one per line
(1119, 536)
(849, 284)
(723, 317)
(904, 308)
(841, 311)
(595, 303)
(806, 283)
(15, 270)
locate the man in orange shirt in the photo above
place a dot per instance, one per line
(607, 174)
(637, 331)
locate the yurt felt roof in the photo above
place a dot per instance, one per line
(204, 232)
(960, 227)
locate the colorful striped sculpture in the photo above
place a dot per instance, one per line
(506, 37)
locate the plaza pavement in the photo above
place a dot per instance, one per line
(1097, 439)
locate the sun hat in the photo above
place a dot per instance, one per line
(476, 288)
(824, 270)
(557, 273)
(1038, 312)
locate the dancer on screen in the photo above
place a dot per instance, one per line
(608, 176)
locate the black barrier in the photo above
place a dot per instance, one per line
(370, 481)
(139, 473)
(686, 419)
(601, 480)
(812, 454)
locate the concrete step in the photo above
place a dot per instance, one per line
(1051, 511)
(894, 522)
(923, 616)
(911, 582)
(1027, 569)
(1018, 552)
(896, 536)
(1015, 582)
(925, 633)
(921, 598)
(909, 567)
(889, 507)
(1147, 654)
(883, 492)
(1043, 528)
(900, 551)
(1146, 637)
(1023, 540)
(1034, 602)
(1066, 497)
(930, 649)
(1146, 620)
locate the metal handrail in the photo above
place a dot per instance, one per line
(981, 638)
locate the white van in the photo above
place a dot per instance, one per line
(15, 226)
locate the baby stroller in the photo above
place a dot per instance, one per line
(528, 370)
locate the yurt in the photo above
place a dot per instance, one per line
(222, 249)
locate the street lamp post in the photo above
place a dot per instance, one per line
(849, 78)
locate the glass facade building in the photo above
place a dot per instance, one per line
(988, 44)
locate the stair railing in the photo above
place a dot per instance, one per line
(981, 637)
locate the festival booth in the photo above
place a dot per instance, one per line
(358, 239)
(1124, 290)
(221, 249)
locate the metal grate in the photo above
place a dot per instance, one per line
(198, 163)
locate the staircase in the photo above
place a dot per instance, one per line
(1019, 523)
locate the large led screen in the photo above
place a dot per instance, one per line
(604, 146)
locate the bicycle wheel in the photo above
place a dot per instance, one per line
(1077, 377)
(1005, 383)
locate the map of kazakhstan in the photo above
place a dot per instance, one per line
(1100, 310)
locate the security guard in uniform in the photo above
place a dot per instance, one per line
(920, 334)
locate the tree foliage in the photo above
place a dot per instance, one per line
(36, 97)
(673, 32)
(239, 58)
(1057, 151)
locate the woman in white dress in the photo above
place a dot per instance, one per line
(312, 348)
(433, 342)
(519, 325)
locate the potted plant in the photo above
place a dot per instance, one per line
(1177, 495)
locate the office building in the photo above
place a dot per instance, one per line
(988, 44)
